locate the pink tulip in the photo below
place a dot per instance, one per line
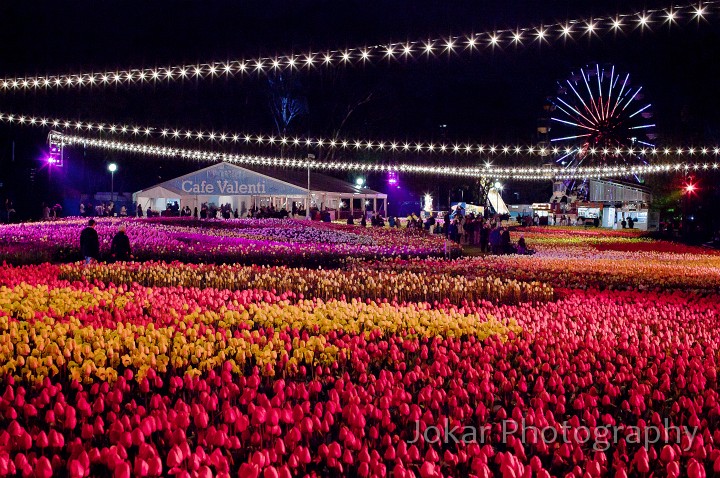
(154, 466)
(695, 469)
(43, 468)
(428, 470)
(248, 470)
(270, 472)
(175, 457)
(77, 470)
(122, 470)
(141, 467)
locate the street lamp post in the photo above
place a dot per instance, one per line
(360, 182)
(498, 188)
(689, 191)
(310, 157)
(112, 167)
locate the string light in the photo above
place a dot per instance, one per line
(305, 143)
(521, 173)
(374, 54)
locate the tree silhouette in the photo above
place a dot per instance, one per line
(288, 102)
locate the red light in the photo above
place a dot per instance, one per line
(690, 188)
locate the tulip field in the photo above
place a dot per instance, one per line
(268, 348)
(247, 241)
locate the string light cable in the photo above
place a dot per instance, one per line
(526, 173)
(500, 40)
(312, 143)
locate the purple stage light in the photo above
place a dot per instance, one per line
(392, 178)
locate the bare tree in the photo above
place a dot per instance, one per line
(288, 103)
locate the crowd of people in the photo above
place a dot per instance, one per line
(49, 213)
(486, 233)
(103, 209)
(376, 220)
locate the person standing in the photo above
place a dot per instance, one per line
(484, 237)
(89, 242)
(120, 247)
(494, 238)
(505, 243)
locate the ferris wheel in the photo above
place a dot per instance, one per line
(599, 117)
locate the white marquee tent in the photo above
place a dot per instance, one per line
(243, 188)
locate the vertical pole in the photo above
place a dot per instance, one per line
(307, 209)
(112, 186)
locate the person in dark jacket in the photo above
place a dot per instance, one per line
(120, 247)
(485, 237)
(505, 244)
(89, 242)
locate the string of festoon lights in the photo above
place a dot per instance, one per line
(305, 143)
(527, 173)
(452, 45)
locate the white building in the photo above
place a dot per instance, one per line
(243, 188)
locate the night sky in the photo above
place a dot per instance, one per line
(487, 97)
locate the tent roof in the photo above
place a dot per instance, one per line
(297, 178)
(318, 181)
(160, 190)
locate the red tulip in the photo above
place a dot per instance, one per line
(427, 470)
(695, 469)
(43, 468)
(141, 467)
(122, 470)
(55, 439)
(667, 454)
(641, 460)
(270, 472)
(175, 457)
(154, 466)
(248, 470)
(77, 470)
(41, 440)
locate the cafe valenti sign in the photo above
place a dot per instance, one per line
(228, 180)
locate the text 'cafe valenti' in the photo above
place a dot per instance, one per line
(243, 188)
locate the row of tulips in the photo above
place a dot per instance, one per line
(83, 331)
(582, 232)
(378, 377)
(550, 238)
(244, 241)
(598, 270)
(420, 286)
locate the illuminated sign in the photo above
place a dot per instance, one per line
(228, 180)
